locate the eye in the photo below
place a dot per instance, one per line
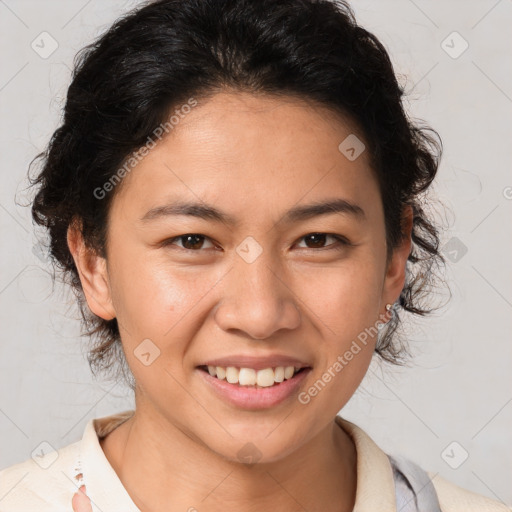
(191, 241)
(318, 239)
(195, 241)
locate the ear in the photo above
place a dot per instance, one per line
(92, 270)
(394, 279)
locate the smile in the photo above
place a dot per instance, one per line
(263, 378)
(280, 384)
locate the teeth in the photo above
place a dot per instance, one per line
(279, 374)
(288, 372)
(265, 378)
(247, 377)
(232, 374)
(250, 377)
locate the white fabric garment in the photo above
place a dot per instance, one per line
(49, 484)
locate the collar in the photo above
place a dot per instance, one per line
(99, 477)
(375, 483)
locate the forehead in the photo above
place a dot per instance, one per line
(240, 122)
(253, 153)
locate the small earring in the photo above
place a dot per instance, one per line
(389, 311)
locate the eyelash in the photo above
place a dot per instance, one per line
(341, 242)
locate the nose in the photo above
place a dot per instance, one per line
(257, 301)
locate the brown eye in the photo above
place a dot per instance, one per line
(317, 241)
(190, 241)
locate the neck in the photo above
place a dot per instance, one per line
(163, 468)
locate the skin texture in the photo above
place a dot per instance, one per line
(80, 501)
(254, 157)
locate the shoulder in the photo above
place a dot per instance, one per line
(453, 498)
(44, 483)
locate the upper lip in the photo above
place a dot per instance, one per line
(257, 363)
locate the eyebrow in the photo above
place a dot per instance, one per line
(295, 214)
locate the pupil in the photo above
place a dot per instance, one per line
(196, 245)
(319, 237)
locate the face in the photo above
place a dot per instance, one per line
(264, 281)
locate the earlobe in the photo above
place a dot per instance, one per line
(92, 270)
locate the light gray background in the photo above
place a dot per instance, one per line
(459, 388)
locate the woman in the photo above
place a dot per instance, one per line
(235, 193)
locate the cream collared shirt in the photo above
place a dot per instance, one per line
(47, 482)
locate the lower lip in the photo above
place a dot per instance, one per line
(247, 397)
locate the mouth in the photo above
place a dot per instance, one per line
(255, 389)
(253, 378)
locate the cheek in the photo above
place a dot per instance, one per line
(157, 301)
(345, 303)
(346, 313)
(159, 311)
(345, 296)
